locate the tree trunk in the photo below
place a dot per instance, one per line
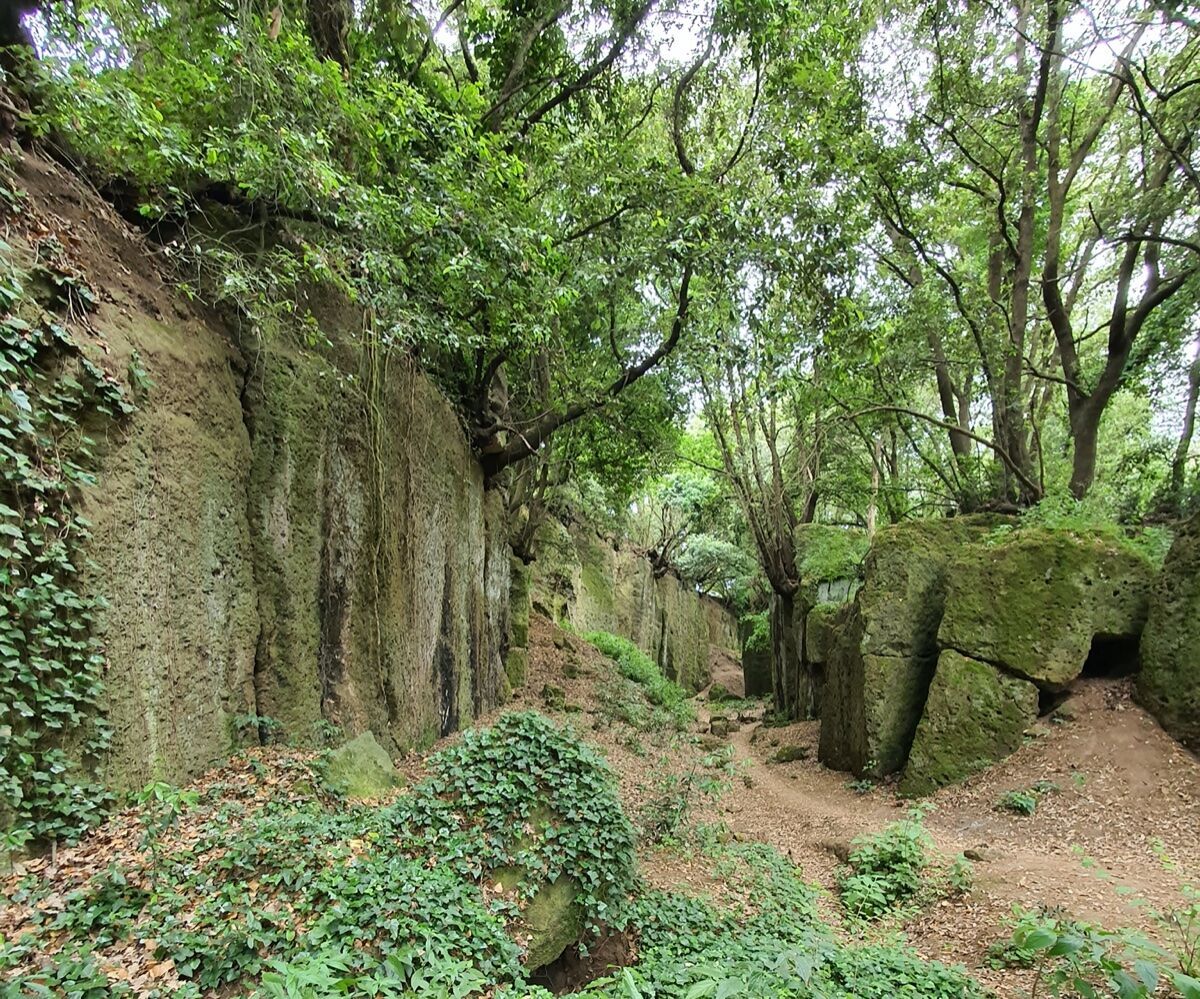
(1184, 447)
(329, 29)
(1085, 429)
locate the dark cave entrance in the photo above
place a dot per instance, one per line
(1112, 657)
(615, 949)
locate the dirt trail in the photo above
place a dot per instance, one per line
(1123, 784)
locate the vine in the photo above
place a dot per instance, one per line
(52, 730)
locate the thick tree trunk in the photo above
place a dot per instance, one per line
(1184, 447)
(1085, 429)
(329, 28)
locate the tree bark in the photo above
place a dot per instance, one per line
(1184, 447)
(329, 28)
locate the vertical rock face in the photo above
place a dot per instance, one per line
(879, 668)
(278, 531)
(586, 581)
(275, 543)
(170, 547)
(373, 496)
(974, 715)
(1169, 683)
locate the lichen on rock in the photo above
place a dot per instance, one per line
(974, 715)
(1169, 683)
(361, 769)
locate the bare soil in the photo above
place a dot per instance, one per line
(1089, 850)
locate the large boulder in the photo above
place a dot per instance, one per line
(1033, 602)
(361, 768)
(1169, 683)
(551, 919)
(879, 669)
(974, 715)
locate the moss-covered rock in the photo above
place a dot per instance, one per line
(821, 630)
(974, 715)
(361, 768)
(1032, 602)
(882, 661)
(518, 603)
(1169, 684)
(551, 918)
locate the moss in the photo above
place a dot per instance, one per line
(826, 554)
(361, 769)
(1169, 683)
(821, 631)
(516, 667)
(519, 600)
(974, 715)
(1033, 602)
(551, 919)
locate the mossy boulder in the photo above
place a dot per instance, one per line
(1169, 683)
(974, 715)
(880, 665)
(1032, 603)
(361, 768)
(821, 630)
(551, 919)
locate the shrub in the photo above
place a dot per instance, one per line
(885, 870)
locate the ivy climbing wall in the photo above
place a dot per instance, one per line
(287, 533)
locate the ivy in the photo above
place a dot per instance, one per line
(52, 731)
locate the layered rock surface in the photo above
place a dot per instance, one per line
(1169, 682)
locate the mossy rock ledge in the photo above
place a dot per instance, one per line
(551, 920)
(974, 715)
(1169, 682)
(1033, 604)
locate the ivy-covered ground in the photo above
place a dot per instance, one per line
(261, 880)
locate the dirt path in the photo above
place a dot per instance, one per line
(1123, 785)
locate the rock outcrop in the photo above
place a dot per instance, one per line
(937, 667)
(973, 716)
(595, 585)
(1033, 603)
(1169, 682)
(361, 769)
(880, 667)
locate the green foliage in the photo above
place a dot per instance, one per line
(886, 870)
(635, 665)
(52, 733)
(1065, 513)
(1025, 801)
(1075, 958)
(759, 638)
(397, 898)
(830, 553)
(672, 797)
(777, 947)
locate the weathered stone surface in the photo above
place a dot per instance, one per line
(974, 715)
(361, 768)
(1032, 603)
(821, 631)
(756, 660)
(879, 668)
(1169, 683)
(587, 582)
(270, 539)
(551, 920)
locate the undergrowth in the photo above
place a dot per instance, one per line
(895, 870)
(635, 665)
(55, 402)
